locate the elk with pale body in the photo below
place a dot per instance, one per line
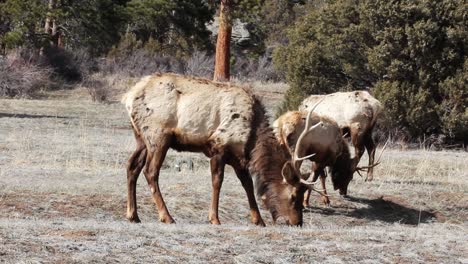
(356, 114)
(325, 141)
(229, 125)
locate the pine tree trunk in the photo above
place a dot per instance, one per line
(50, 27)
(223, 50)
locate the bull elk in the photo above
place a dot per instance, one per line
(325, 141)
(356, 114)
(229, 125)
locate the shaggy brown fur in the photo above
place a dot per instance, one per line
(267, 159)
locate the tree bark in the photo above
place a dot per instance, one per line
(223, 43)
(50, 27)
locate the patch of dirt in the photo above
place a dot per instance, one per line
(53, 205)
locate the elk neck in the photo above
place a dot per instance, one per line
(266, 160)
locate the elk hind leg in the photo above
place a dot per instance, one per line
(157, 151)
(370, 147)
(358, 143)
(217, 176)
(134, 166)
(247, 183)
(323, 177)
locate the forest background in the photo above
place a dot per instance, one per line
(411, 55)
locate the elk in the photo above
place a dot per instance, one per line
(325, 141)
(229, 125)
(356, 114)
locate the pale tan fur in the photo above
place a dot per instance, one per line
(356, 113)
(348, 109)
(324, 140)
(215, 113)
(227, 123)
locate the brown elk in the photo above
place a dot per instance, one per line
(356, 114)
(325, 141)
(229, 125)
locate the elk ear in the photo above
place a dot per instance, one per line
(288, 174)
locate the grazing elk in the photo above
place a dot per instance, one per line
(356, 114)
(325, 141)
(229, 125)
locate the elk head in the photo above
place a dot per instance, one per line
(294, 194)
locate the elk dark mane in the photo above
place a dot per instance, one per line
(266, 160)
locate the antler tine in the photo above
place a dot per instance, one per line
(321, 192)
(310, 186)
(363, 168)
(306, 130)
(359, 172)
(305, 157)
(380, 155)
(282, 172)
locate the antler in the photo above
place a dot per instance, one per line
(302, 181)
(365, 168)
(309, 185)
(308, 127)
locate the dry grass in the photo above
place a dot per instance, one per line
(63, 194)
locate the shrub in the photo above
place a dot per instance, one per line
(68, 66)
(98, 88)
(255, 69)
(21, 77)
(200, 64)
(140, 63)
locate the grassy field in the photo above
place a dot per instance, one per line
(63, 198)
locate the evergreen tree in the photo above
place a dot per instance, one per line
(173, 27)
(410, 53)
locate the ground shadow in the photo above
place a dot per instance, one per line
(385, 209)
(31, 116)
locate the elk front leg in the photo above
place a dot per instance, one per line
(247, 183)
(134, 166)
(314, 170)
(217, 176)
(154, 162)
(370, 147)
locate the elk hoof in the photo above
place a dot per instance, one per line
(167, 220)
(215, 222)
(326, 201)
(259, 222)
(134, 219)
